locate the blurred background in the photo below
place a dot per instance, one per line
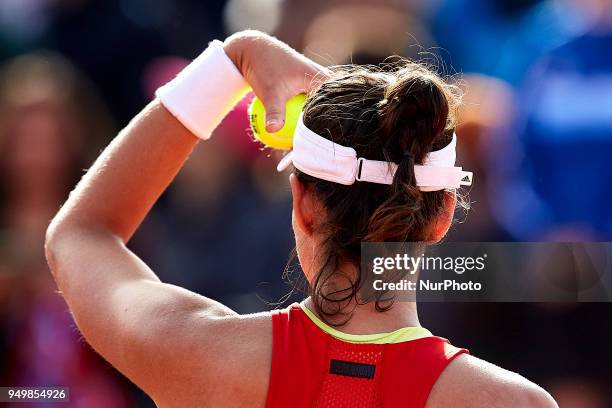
(536, 129)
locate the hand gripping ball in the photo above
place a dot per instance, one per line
(283, 139)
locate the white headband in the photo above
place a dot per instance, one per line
(326, 160)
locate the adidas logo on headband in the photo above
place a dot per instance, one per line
(324, 159)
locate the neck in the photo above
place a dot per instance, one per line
(367, 320)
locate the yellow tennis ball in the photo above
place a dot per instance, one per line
(283, 139)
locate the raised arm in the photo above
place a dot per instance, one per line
(166, 339)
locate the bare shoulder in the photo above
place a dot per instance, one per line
(471, 382)
(222, 360)
(242, 355)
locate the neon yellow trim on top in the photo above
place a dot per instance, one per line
(397, 336)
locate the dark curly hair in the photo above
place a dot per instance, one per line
(399, 114)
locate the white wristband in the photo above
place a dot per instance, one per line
(205, 91)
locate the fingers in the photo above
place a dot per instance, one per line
(275, 113)
(303, 77)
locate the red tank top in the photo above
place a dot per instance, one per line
(311, 368)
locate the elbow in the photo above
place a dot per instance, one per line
(66, 242)
(59, 243)
(53, 236)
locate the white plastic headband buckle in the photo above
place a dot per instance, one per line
(324, 159)
(359, 168)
